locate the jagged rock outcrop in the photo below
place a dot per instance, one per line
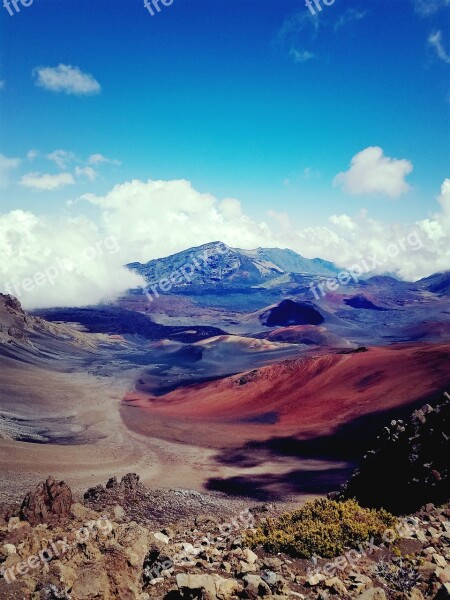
(410, 465)
(155, 508)
(50, 501)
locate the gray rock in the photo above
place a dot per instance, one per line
(372, 594)
(270, 577)
(272, 563)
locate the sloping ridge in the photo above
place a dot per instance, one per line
(312, 396)
(27, 338)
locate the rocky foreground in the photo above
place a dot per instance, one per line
(125, 542)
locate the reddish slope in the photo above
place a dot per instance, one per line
(308, 396)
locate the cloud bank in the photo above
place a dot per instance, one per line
(63, 262)
(142, 220)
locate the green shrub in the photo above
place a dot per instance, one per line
(322, 527)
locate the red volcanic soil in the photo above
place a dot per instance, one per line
(307, 397)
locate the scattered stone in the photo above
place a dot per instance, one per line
(258, 584)
(443, 575)
(272, 563)
(373, 594)
(195, 584)
(194, 562)
(249, 556)
(118, 512)
(245, 567)
(439, 560)
(226, 588)
(161, 537)
(9, 549)
(358, 582)
(336, 586)
(314, 580)
(270, 577)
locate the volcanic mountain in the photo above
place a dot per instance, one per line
(216, 264)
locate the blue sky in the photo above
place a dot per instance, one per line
(250, 99)
(209, 90)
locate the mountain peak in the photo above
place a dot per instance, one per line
(216, 263)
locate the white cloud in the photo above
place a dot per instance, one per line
(298, 30)
(70, 261)
(438, 227)
(97, 159)
(62, 158)
(6, 166)
(87, 172)
(435, 41)
(349, 16)
(301, 56)
(281, 219)
(343, 221)
(32, 154)
(373, 173)
(157, 218)
(349, 240)
(296, 24)
(41, 182)
(430, 7)
(67, 79)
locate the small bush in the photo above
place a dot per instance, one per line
(322, 527)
